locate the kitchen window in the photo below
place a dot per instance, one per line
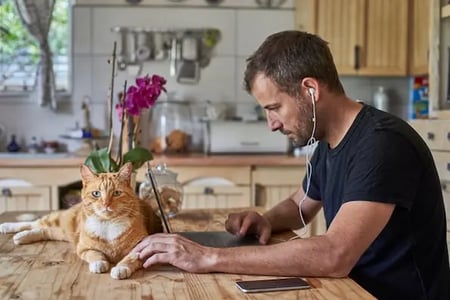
(19, 51)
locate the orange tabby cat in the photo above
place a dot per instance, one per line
(108, 222)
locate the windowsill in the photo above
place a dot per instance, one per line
(26, 97)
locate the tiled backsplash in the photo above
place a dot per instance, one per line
(242, 30)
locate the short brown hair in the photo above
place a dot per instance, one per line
(289, 56)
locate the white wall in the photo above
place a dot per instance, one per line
(242, 29)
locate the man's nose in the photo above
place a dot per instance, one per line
(273, 124)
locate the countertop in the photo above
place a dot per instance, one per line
(25, 160)
(51, 269)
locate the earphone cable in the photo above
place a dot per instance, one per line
(309, 169)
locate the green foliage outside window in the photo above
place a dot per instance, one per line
(19, 52)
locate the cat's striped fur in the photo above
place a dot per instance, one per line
(108, 222)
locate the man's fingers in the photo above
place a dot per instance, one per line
(264, 236)
(246, 223)
(157, 258)
(233, 223)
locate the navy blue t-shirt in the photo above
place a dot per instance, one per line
(382, 159)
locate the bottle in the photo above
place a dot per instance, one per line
(13, 146)
(33, 147)
(380, 99)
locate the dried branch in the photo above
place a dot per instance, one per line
(111, 97)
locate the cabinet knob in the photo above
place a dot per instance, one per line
(448, 135)
(430, 136)
(357, 57)
(208, 191)
(7, 192)
(444, 186)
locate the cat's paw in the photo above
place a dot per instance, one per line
(99, 266)
(8, 228)
(120, 272)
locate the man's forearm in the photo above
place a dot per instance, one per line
(284, 216)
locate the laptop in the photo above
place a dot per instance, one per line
(217, 239)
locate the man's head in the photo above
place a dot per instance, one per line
(280, 74)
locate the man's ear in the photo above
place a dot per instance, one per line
(310, 87)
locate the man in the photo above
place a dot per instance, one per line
(372, 174)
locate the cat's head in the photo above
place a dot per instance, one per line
(108, 195)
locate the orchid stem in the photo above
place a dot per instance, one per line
(124, 111)
(111, 97)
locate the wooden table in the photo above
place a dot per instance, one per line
(51, 270)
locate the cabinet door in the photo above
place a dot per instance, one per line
(340, 23)
(25, 199)
(215, 187)
(419, 37)
(216, 196)
(366, 37)
(386, 38)
(275, 184)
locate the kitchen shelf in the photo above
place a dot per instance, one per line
(445, 11)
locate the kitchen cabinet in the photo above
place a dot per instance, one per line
(274, 184)
(24, 198)
(436, 133)
(366, 37)
(208, 181)
(420, 24)
(213, 187)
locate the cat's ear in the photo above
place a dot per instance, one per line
(125, 172)
(86, 173)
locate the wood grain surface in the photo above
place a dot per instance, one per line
(51, 270)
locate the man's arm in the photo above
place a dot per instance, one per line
(285, 215)
(335, 253)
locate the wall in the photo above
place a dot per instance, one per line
(243, 29)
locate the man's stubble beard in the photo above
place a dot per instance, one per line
(302, 131)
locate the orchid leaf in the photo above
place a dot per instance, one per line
(100, 161)
(137, 156)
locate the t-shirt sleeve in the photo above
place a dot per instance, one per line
(384, 168)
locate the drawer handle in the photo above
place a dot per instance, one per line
(208, 191)
(249, 143)
(7, 192)
(357, 53)
(448, 166)
(430, 136)
(448, 135)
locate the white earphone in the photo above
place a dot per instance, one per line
(312, 93)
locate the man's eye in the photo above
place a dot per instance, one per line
(117, 193)
(96, 194)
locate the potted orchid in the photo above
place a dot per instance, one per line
(132, 102)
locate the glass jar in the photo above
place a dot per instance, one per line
(169, 188)
(170, 127)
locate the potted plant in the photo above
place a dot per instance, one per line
(132, 102)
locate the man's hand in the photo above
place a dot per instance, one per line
(249, 222)
(176, 250)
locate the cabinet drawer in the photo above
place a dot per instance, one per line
(25, 198)
(442, 161)
(216, 196)
(436, 133)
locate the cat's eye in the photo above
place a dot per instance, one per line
(96, 194)
(117, 193)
